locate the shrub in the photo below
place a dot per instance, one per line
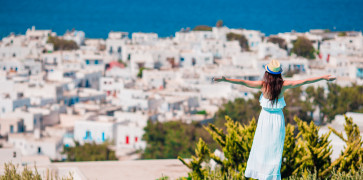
(279, 41)
(303, 47)
(243, 42)
(61, 44)
(305, 156)
(89, 152)
(11, 173)
(202, 28)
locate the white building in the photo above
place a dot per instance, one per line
(31, 144)
(97, 129)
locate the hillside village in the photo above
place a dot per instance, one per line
(107, 89)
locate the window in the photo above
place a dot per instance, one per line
(88, 136)
(39, 150)
(96, 61)
(119, 50)
(181, 59)
(11, 129)
(14, 154)
(103, 136)
(87, 61)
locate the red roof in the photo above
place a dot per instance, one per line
(115, 64)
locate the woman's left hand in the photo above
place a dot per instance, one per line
(219, 79)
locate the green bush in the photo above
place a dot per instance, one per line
(303, 47)
(172, 139)
(243, 42)
(202, 28)
(279, 41)
(61, 44)
(89, 152)
(305, 156)
(11, 173)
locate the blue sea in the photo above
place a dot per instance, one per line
(98, 17)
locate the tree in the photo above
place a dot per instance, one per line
(343, 99)
(202, 28)
(201, 153)
(236, 144)
(352, 156)
(303, 47)
(307, 154)
(243, 42)
(219, 23)
(61, 44)
(315, 150)
(89, 152)
(342, 33)
(172, 139)
(239, 110)
(317, 97)
(291, 151)
(279, 41)
(295, 106)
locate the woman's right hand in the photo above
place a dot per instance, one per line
(219, 79)
(329, 77)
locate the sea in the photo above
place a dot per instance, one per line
(165, 17)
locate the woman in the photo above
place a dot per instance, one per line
(264, 161)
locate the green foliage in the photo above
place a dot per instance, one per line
(61, 44)
(315, 150)
(139, 74)
(172, 139)
(303, 47)
(352, 156)
(295, 106)
(240, 110)
(202, 28)
(243, 42)
(317, 97)
(203, 112)
(342, 33)
(236, 144)
(219, 23)
(89, 152)
(305, 156)
(122, 62)
(291, 151)
(201, 153)
(11, 173)
(343, 99)
(279, 41)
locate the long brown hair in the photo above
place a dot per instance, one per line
(272, 84)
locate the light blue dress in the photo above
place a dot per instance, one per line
(264, 161)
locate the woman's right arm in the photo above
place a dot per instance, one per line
(298, 83)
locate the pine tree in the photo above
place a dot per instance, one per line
(315, 150)
(352, 157)
(291, 151)
(201, 153)
(236, 144)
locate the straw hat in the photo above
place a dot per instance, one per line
(274, 67)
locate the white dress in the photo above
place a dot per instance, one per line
(264, 161)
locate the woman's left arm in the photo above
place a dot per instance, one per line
(251, 84)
